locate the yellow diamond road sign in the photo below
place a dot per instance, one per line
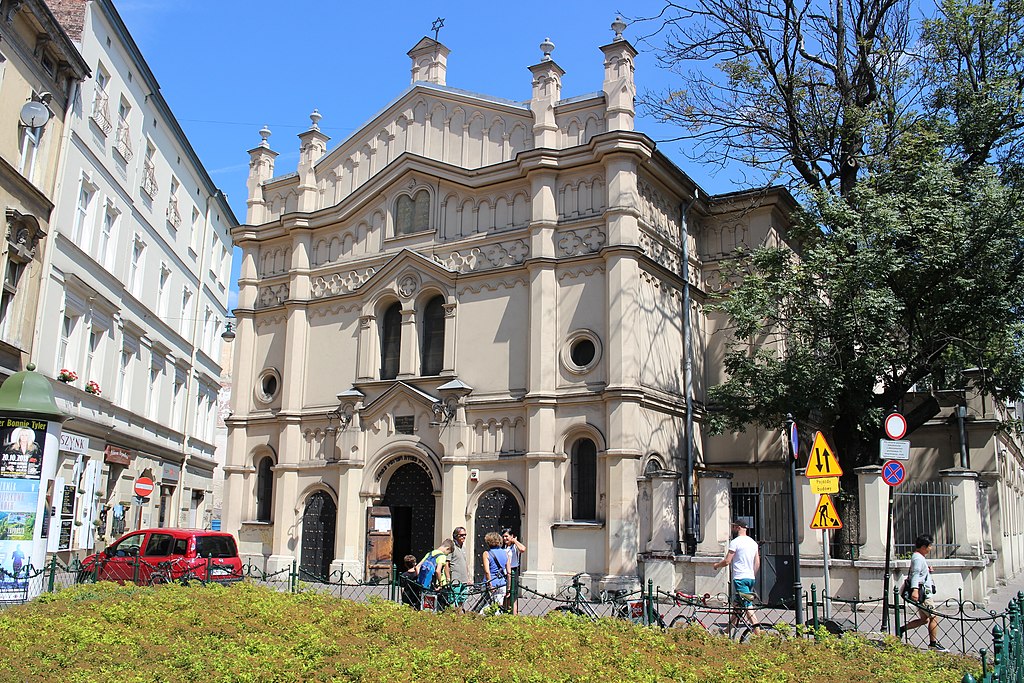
(822, 461)
(825, 515)
(820, 485)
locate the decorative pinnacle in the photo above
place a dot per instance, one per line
(547, 47)
(618, 26)
(264, 133)
(315, 118)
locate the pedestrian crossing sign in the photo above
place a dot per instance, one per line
(822, 461)
(825, 515)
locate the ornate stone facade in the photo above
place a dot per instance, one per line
(511, 357)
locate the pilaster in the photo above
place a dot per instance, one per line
(967, 528)
(715, 505)
(450, 333)
(874, 512)
(407, 362)
(367, 350)
(664, 513)
(621, 516)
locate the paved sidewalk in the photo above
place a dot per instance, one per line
(998, 599)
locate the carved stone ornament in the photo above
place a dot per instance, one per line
(407, 285)
(23, 234)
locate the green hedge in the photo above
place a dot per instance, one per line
(106, 632)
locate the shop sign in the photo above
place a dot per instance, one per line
(116, 455)
(171, 474)
(74, 443)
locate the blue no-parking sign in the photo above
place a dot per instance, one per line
(893, 472)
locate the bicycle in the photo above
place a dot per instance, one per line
(634, 610)
(170, 571)
(739, 625)
(488, 603)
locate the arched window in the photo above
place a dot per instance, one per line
(412, 214)
(584, 480)
(391, 341)
(432, 350)
(264, 489)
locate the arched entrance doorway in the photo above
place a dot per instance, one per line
(318, 522)
(410, 496)
(497, 509)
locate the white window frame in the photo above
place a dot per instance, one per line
(136, 264)
(81, 228)
(108, 234)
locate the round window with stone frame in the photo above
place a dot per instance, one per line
(268, 385)
(581, 352)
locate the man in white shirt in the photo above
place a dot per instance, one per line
(744, 559)
(921, 588)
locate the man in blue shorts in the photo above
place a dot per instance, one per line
(744, 559)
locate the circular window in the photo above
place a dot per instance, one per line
(581, 352)
(268, 385)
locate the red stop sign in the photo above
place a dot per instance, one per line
(143, 487)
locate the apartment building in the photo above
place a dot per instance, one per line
(40, 72)
(134, 301)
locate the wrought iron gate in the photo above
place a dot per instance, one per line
(765, 507)
(497, 509)
(410, 495)
(318, 524)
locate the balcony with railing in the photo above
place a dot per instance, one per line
(101, 112)
(173, 216)
(123, 142)
(149, 179)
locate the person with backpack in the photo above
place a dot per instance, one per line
(496, 567)
(432, 571)
(918, 589)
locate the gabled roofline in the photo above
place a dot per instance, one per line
(399, 387)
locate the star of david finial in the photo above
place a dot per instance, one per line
(437, 26)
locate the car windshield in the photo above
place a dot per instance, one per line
(215, 546)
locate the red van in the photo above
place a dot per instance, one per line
(151, 556)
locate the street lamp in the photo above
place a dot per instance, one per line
(229, 332)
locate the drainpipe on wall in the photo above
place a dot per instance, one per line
(688, 506)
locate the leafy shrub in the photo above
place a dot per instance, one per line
(251, 634)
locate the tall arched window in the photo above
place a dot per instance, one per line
(391, 341)
(412, 214)
(432, 349)
(264, 489)
(584, 480)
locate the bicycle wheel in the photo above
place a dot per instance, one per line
(567, 609)
(157, 579)
(742, 633)
(682, 621)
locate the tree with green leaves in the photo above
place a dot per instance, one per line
(902, 139)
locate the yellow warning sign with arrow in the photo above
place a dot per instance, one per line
(825, 515)
(822, 461)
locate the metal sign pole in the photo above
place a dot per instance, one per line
(827, 597)
(798, 594)
(888, 556)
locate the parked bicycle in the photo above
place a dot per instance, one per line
(738, 626)
(626, 604)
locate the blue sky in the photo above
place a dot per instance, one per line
(228, 67)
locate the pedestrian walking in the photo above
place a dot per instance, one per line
(744, 560)
(919, 589)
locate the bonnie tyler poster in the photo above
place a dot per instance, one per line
(21, 448)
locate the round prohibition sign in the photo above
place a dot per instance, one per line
(895, 426)
(893, 472)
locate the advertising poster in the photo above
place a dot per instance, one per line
(21, 467)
